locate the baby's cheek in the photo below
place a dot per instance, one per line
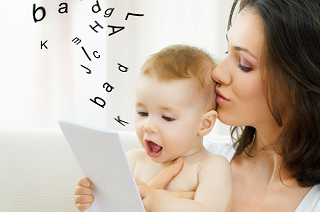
(139, 131)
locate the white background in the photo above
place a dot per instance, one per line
(41, 86)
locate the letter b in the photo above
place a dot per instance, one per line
(35, 11)
(102, 102)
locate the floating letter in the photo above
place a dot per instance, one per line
(122, 68)
(89, 71)
(76, 40)
(107, 15)
(109, 87)
(133, 15)
(35, 11)
(97, 5)
(97, 24)
(44, 44)
(65, 8)
(102, 102)
(113, 31)
(120, 121)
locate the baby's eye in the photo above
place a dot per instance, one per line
(167, 118)
(143, 113)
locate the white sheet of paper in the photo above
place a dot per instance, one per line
(103, 161)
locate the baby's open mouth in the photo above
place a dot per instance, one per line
(153, 149)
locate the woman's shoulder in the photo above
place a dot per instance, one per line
(311, 201)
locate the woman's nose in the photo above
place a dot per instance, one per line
(150, 126)
(221, 74)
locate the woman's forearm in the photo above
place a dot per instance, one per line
(171, 203)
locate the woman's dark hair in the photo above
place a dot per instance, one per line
(290, 73)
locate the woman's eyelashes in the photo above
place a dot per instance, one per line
(244, 65)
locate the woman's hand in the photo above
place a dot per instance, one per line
(149, 195)
(83, 194)
(166, 175)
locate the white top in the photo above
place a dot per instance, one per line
(310, 203)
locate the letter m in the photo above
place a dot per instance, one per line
(76, 40)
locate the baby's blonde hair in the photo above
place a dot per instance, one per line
(178, 62)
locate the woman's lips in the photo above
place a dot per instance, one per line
(153, 149)
(220, 99)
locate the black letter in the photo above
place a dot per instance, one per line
(66, 8)
(97, 24)
(85, 53)
(95, 54)
(133, 15)
(95, 101)
(76, 40)
(114, 32)
(121, 66)
(107, 15)
(34, 13)
(44, 44)
(119, 120)
(109, 86)
(89, 71)
(98, 5)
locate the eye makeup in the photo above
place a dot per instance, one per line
(244, 65)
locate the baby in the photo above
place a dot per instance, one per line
(175, 108)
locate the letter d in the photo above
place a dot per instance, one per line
(96, 5)
(102, 102)
(35, 11)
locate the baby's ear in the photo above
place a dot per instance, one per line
(208, 120)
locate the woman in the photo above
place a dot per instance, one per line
(269, 82)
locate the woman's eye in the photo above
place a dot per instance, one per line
(143, 113)
(227, 52)
(243, 68)
(244, 65)
(167, 118)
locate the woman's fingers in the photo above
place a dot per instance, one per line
(166, 175)
(184, 195)
(147, 195)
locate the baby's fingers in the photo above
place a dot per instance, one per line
(83, 199)
(85, 182)
(83, 206)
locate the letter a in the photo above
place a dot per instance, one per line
(109, 88)
(65, 8)
(35, 11)
(115, 31)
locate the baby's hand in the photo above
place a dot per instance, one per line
(83, 194)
